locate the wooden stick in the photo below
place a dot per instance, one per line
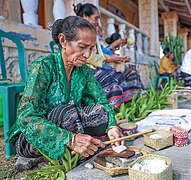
(127, 137)
(182, 90)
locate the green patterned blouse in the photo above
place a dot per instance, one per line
(47, 87)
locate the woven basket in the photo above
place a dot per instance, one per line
(100, 163)
(167, 174)
(157, 144)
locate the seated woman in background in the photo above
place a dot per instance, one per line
(166, 66)
(112, 82)
(131, 76)
(63, 105)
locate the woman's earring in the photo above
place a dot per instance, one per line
(64, 49)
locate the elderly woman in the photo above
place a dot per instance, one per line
(63, 105)
(112, 82)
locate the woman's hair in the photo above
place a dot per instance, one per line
(166, 50)
(84, 9)
(112, 38)
(69, 27)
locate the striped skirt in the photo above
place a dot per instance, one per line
(91, 120)
(118, 87)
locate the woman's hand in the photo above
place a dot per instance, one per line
(115, 132)
(85, 144)
(177, 67)
(127, 59)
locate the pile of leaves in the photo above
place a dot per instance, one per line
(142, 105)
(54, 170)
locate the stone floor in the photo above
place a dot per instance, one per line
(180, 157)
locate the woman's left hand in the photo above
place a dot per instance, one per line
(115, 133)
(127, 59)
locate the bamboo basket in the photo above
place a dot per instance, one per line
(167, 174)
(100, 163)
(157, 144)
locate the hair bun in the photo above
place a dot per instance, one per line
(108, 40)
(77, 8)
(166, 50)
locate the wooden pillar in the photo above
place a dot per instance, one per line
(183, 32)
(148, 22)
(170, 23)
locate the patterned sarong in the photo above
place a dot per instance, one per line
(118, 87)
(90, 120)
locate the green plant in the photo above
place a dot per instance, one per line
(54, 169)
(151, 75)
(142, 105)
(175, 43)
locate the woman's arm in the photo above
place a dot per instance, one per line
(38, 131)
(94, 94)
(116, 59)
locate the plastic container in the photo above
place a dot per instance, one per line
(128, 128)
(180, 136)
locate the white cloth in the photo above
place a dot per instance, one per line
(186, 63)
(164, 119)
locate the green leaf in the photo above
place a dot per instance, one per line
(68, 158)
(75, 160)
(49, 159)
(66, 165)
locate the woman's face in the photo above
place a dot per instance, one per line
(78, 51)
(171, 56)
(93, 19)
(117, 43)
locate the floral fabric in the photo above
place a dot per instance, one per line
(166, 66)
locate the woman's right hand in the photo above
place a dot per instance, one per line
(85, 144)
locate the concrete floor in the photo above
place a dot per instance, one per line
(180, 157)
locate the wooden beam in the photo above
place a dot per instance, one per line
(188, 6)
(176, 3)
(163, 5)
(183, 10)
(185, 15)
(132, 4)
(185, 22)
